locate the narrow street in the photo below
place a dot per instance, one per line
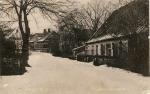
(55, 75)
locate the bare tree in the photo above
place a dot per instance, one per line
(21, 9)
(72, 24)
(94, 14)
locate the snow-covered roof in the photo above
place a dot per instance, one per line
(44, 38)
(31, 41)
(36, 37)
(104, 37)
(110, 36)
(100, 38)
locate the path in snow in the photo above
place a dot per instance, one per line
(55, 75)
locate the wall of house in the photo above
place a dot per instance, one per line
(108, 48)
(131, 54)
(139, 54)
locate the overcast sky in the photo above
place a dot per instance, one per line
(37, 23)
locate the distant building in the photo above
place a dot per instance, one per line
(40, 42)
(34, 38)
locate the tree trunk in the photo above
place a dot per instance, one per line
(25, 48)
(25, 51)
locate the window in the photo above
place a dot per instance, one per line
(96, 49)
(108, 49)
(92, 50)
(115, 49)
(102, 49)
(99, 50)
(86, 50)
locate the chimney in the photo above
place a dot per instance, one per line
(45, 31)
(49, 30)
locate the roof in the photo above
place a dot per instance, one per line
(126, 19)
(129, 19)
(44, 38)
(36, 37)
(104, 37)
(139, 30)
(40, 37)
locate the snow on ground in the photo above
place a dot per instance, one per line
(55, 75)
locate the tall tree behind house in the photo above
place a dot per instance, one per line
(72, 32)
(54, 43)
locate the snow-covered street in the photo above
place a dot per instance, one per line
(55, 75)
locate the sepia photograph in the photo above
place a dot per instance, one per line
(74, 47)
